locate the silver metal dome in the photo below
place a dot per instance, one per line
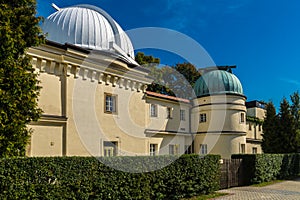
(88, 27)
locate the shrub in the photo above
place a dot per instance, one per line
(258, 168)
(87, 178)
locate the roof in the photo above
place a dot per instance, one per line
(163, 96)
(255, 104)
(218, 82)
(87, 26)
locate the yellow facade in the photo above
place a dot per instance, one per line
(78, 120)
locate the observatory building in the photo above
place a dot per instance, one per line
(95, 102)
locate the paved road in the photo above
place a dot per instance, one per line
(289, 190)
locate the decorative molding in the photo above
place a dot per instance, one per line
(85, 74)
(69, 70)
(93, 76)
(76, 71)
(107, 80)
(52, 67)
(100, 77)
(43, 65)
(63, 67)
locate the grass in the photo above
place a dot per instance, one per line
(267, 183)
(208, 196)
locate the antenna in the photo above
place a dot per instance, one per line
(55, 7)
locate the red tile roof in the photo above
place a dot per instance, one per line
(154, 94)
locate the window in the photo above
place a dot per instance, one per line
(110, 148)
(110, 103)
(182, 115)
(203, 149)
(153, 149)
(242, 117)
(153, 110)
(174, 149)
(250, 127)
(169, 113)
(254, 150)
(188, 149)
(243, 148)
(259, 128)
(202, 118)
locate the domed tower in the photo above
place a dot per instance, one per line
(219, 114)
(88, 27)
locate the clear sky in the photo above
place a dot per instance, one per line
(261, 37)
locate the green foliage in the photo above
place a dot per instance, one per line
(19, 30)
(270, 141)
(260, 168)
(145, 60)
(87, 178)
(181, 79)
(177, 80)
(281, 133)
(286, 130)
(255, 120)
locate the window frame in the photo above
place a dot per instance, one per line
(153, 149)
(203, 149)
(182, 115)
(242, 118)
(169, 113)
(243, 148)
(202, 118)
(110, 147)
(254, 150)
(155, 107)
(114, 101)
(173, 149)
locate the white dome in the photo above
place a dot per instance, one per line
(88, 27)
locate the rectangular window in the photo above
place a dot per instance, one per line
(203, 149)
(110, 148)
(250, 127)
(110, 103)
(153, 110)
(202, 118)
(259, 128)
(242, 117)
(254, 150)
(188, 149)
(153, 149)
(169, 113)
(243, 148)
(174, 149)
(182, 115)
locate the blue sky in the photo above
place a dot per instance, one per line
(261, 37)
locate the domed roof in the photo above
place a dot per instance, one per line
(88, 27)
(218, 82)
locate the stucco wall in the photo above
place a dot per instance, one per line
(46, 140)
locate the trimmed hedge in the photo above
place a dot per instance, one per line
(87, 178)
(259, 168)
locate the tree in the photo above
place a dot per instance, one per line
(177, 80)
(182, 79)
(270, 141)
(19, 88)
(189, 71)
(145, 60)
(295, 108)
(287, 130)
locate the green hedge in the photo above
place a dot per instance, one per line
(87, 178)
(259, 168)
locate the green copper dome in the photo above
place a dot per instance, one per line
(218, 82)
